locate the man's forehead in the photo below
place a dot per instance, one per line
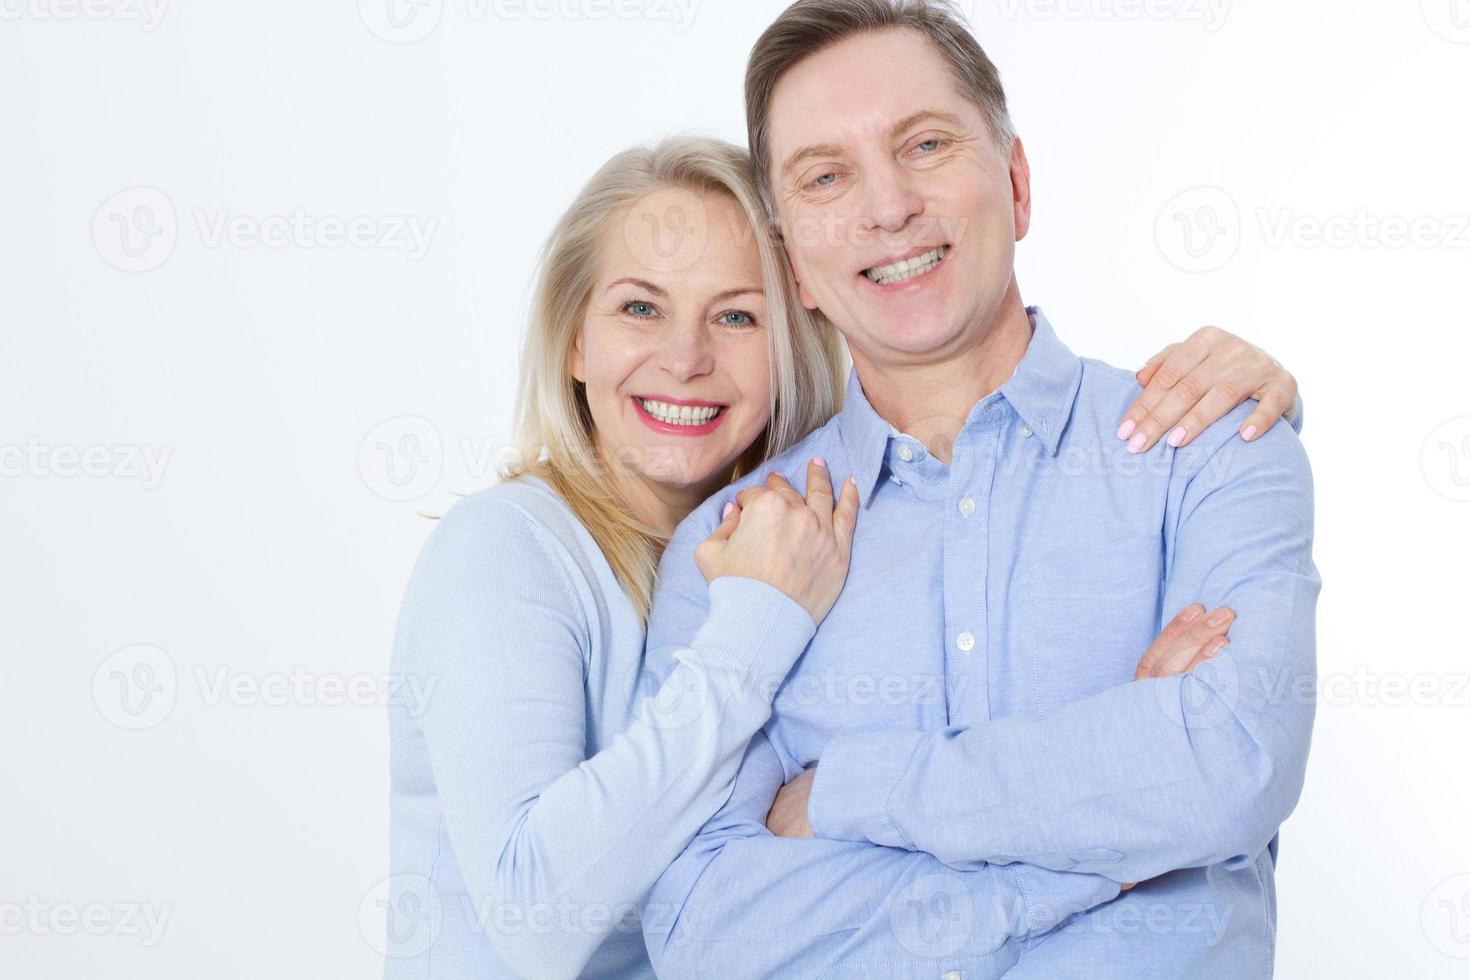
(840, 92)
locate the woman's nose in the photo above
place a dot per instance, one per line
(687, 352)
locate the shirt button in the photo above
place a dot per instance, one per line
(967, 506)
(965, 642)
(953, 975)
(906, 454)
(1026, 431)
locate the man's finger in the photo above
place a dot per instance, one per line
(1169, 640)
(819, 489)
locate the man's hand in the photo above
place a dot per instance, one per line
(1189, 640)
(787, 817)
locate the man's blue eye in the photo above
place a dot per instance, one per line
(825, 180)
(932, 144)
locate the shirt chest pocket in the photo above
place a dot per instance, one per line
(1084, 615)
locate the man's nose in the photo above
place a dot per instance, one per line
(892, 200)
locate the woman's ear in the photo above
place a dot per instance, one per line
(576, 362)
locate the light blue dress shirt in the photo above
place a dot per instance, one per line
(988, 767)
(544, 781)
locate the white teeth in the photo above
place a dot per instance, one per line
(680, 414)
(907, 269)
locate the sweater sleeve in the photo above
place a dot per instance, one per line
(554, 847)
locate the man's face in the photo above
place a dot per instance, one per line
(899, 212)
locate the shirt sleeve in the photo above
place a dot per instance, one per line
(492, 622)
(1184, 771)
(740, 902)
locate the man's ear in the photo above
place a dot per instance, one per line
(1021, 188)
(802, 294)
(576, 362)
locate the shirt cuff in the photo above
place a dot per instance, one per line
(1052, 897)
(753, 627)
(857, 776)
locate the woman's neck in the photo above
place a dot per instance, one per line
(662, 505)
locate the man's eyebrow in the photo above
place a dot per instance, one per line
(910, 121)
(807, 152)
(640, 283)
(832, 150)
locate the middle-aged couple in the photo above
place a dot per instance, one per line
(939, 686)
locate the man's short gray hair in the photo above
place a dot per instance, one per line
(808, 26)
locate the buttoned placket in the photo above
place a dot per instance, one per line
(966, 559)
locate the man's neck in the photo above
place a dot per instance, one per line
(931, 401)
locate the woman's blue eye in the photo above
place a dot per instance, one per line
(639, 309)
(742, 319)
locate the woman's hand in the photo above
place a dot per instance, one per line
(1190, 385)
(799, 545)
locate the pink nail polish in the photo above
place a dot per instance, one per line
(1126, 429)
(1135, 445)
(820, 461)
(726, 512)
(1177, 437)
(1249, 433)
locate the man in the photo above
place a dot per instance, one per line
(989, 776)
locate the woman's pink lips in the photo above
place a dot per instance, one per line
(679, 430)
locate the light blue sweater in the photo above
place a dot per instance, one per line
(536, 794)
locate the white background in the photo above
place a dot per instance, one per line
(271, 536)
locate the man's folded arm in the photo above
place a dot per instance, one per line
(740, 902)
(1150, 776)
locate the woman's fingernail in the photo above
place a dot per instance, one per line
(1135, 445)
(1249, 433)
(1126, 429)
(820, 461)
(726, 512)
(1195, 612)
(1177, 437)
(1219, 617)
(1217, 646)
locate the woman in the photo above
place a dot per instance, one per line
(546, 783)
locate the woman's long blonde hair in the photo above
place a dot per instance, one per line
(554, 428)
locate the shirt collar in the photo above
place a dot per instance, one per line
(1042, 391)
(1044, 387)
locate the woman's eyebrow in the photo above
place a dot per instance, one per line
(731, 293)
(640, 283)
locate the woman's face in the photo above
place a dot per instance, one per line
(674, 346)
